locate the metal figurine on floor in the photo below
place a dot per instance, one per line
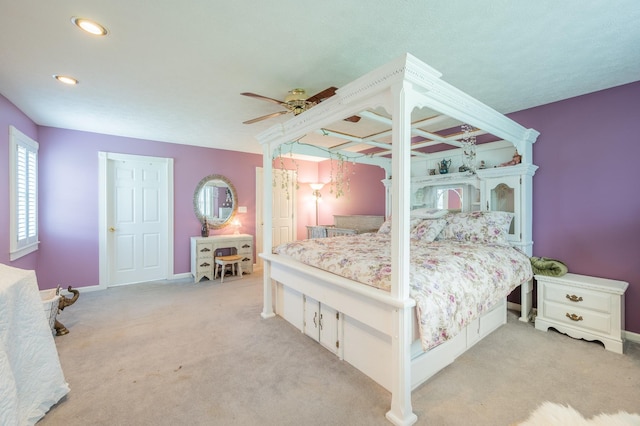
(61, 330)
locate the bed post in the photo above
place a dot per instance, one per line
(387, 194)
(525, 145)
(401, 412)
(267, 232)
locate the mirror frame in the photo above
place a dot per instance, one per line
(234, 195)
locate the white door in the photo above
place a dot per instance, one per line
(136, 206)
(284, 196)
(284, 208)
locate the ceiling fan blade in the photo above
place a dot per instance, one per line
(353, 119)
(321, 96)
(264, 98)
(264, 117)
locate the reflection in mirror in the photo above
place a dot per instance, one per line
(215, 200)
(503, 199)
(449, 198)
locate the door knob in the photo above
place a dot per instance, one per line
(112, 229)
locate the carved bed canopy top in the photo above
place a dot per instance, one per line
(406, 110)
(403, 100)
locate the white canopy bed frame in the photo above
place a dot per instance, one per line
(377, 328)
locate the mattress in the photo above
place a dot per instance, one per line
(452, 282)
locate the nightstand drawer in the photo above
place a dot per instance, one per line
(578, 297)
(576, 317)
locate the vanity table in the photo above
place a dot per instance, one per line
(215, 204)
(205, 249)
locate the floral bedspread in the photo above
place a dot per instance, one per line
(452, 282)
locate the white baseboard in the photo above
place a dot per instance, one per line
(512, 306)
(89, 288)
(182, 276)
(64, 292)
(631, 336)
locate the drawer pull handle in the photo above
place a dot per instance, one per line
(574, 317)
(205, 264)
(205, 250)
(574, 298)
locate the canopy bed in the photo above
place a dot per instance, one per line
(406, 115)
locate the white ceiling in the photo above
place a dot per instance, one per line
(173, 71)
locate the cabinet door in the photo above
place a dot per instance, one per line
(321, 323)
(503, 194)
(312, 318)
(329, 328)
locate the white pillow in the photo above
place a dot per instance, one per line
(385, 228)
(478, 226)
(429, 213)
(428, 229)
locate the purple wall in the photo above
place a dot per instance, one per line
(10, 115)
(366, 194)
(69, 197)
(586, 208)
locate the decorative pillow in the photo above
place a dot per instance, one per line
(429, 213)
(428, 229)
(481, 227)
(385, 228)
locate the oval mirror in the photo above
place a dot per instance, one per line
(215, 199)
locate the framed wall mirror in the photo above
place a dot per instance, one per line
(215, 200)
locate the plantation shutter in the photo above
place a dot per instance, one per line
(24, 197)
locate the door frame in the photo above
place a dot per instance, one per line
(259, 207)
(104, 280)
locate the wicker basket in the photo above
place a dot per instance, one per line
(50, 302)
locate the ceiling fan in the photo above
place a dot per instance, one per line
(296, 102)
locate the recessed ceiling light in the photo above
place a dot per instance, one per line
(89, 26)
(66, 79)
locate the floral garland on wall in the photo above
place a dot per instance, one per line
(340, 176)
(340, 172)
(285, 183)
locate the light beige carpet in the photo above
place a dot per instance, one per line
(200, 354)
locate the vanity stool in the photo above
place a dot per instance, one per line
(221, 263)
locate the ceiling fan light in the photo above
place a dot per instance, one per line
(89, 26)
(295, 95)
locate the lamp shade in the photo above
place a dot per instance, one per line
(316, 186)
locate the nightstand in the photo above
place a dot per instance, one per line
(583, 307)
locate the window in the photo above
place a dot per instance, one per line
(23, 192)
